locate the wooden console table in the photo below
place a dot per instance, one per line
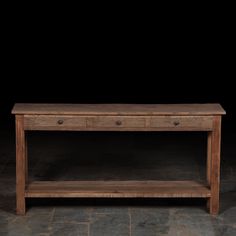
(119, 117)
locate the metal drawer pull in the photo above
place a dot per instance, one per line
(176, 123)
(118, 122)
(60, 122)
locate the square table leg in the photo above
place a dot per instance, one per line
(215, 166)
(21, 165)
(208, 164)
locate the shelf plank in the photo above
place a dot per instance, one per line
(110, 189)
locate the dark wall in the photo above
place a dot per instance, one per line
(180, 60)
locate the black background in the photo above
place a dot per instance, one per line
(128, 57)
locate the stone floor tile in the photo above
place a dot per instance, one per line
(224, 230)
(149, 221)
(191, 230)
(110, 224)
(24, 225)
(228, 217)
(70, 214)
(109, 210)
(69, 229)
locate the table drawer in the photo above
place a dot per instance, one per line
(116, 122)
(182, 122)
(51, 122)
(70, 122)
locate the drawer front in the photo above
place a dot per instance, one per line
(182, 122)
(50, 122)
(66, 122)
(116, 122)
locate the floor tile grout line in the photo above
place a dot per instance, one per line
(90, 211)
(108, 213)
(51, 220)
(52, 214)
(89, 229)
(72, 222)
(130, 229)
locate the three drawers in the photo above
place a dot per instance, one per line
(66, 122)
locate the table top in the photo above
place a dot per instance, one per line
(118, 109)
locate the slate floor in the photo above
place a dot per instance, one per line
(120, 156)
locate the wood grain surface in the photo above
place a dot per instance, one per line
(167, 189)
(119, 109)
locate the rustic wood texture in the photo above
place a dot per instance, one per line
(119, 117)
(215, 166)
(208, 164)
(116, 123)
(168, 189)
(209, 141)
(21, 174)
(26, 159)
(190, 122)
(118, 109)
(54, 122)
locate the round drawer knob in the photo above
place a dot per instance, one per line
(118, 122)
(60, 122)
(176, 123)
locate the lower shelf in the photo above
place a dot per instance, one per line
(123, 189)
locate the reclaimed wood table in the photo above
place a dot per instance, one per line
(119, 117)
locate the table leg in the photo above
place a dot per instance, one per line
(215, 166)
(208, 169)
(21, 163)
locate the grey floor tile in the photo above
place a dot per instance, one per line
(110, 210)
(224, 230)
(69, 229)
(227, 201)
(40, 210)
(149, 221)
(34, 225)
(35, 222)
(191, 216)
(4, 218)
(71, 214)
(189, 210)
(109, 224)
(191, 221)
(191, 230)
(229, 216)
